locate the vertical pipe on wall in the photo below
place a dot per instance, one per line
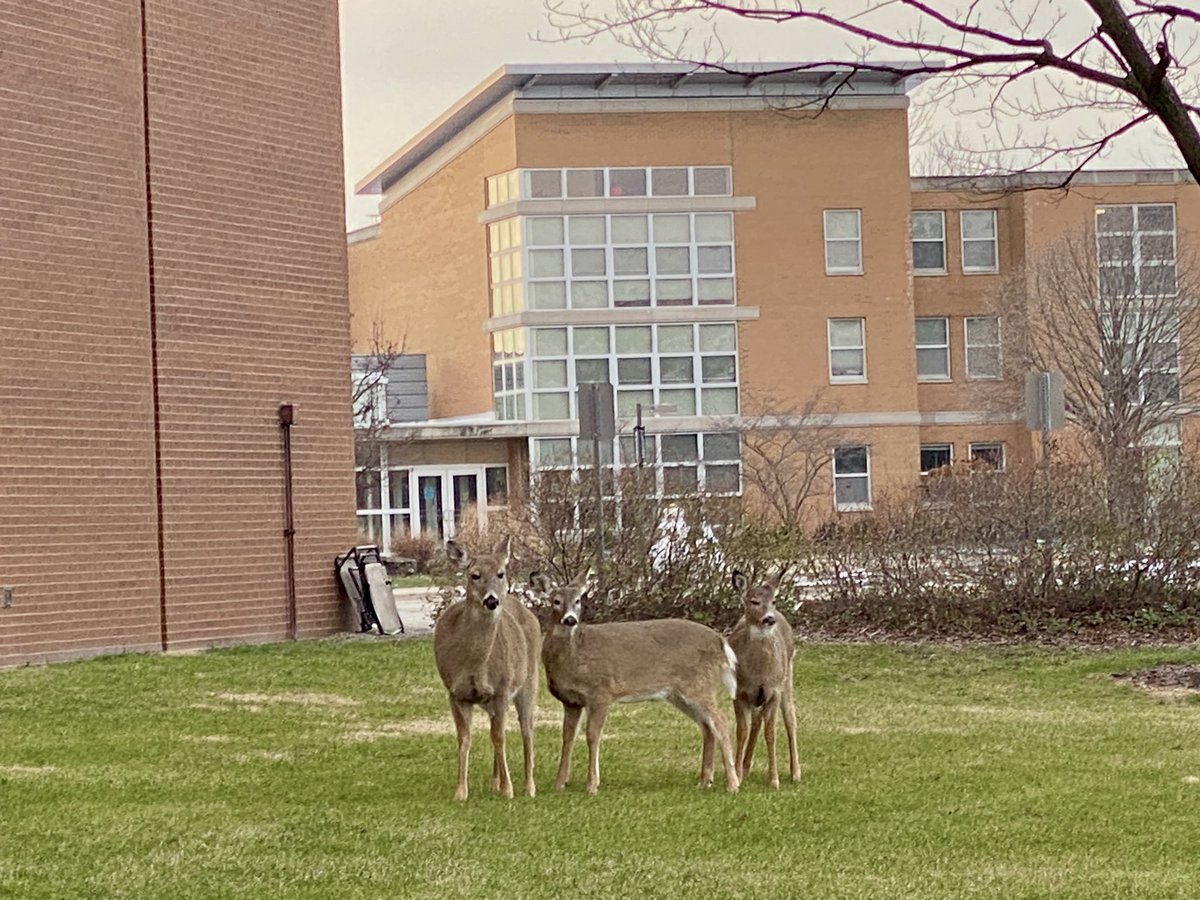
(287, 418)
(158, 475)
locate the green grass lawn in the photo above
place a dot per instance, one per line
(325, 770)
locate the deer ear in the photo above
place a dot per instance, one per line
(590, 581)
(539, 582)
(455, 553)
(504, 550)
(739, 582)
(783, 574)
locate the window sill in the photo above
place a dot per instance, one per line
(854, 507)
(995, 271)
(930, 273)
(934, 379)
(847, 379)
(985, 377)
(840, 272)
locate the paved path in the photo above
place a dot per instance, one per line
(414, 606)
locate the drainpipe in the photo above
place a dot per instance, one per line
(287, 418)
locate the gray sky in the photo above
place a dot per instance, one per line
(405, 61)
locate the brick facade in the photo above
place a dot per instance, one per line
(141, 478)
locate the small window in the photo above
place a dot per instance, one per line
(934, 456)
(847, 350)
(711, 181)
(545, 183)
(929, 242)
(933, 349)
(585, 182)
(369, 391)
(669, 182)
(990, 454)
(983, 346)
(979, 240)
(851, 478)
(627, 183)
(843, 242)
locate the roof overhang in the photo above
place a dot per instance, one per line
(640, 81)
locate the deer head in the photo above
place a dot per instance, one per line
(487, 576)
(758, 600)
(565, 602)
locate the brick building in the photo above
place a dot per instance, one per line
(172, 270)
(716, 252)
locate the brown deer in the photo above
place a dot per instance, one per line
(589, 667)
(486, 647)
(762, 640)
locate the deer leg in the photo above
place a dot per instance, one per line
(461, 713)
(751, 740)
(498, 711)
(525, 702)
(789, 725)
(571, 716)
(706, 756)
(769, 735)
(595, 725)
(741, 712)
(719, 727)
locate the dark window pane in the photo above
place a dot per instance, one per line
(679, 448)
(934, 456)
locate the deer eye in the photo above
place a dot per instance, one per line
(557, 603)
(474, 576)
(499, 574)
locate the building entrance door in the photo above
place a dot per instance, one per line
(429, 494)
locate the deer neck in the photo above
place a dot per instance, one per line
(479, 636)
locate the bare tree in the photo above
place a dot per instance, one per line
(1114, 310)
(368, 392)
(1102, 68)
(784, 453)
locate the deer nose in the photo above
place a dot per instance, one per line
(768, 620)
(570, 621)
(490, 602)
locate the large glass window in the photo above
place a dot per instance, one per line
(597, 262)
(640, 181)
(507, 283)
(1136, 250)
(982, 346)
(679, 370)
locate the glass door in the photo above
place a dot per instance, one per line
(466, 497)
(432, 521)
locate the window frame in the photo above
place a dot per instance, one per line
(968, 347)
(857, 241)
(861, 347)
(949, 374)
(974, 446)
(941, 214)
(963, 240)
(949, 448)
(851, 507)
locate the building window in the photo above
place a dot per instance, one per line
(621, 261)
(929, 242)
(851, 478)
(1136, 250)
(979, 240)
(683, 463)
(640, 181)
(1141, 358)
(504, 256)
(683, 370)
(496, 486)
(847, 350)
(843, 242)
(982, 346)
(384, 504)
(508, 374)
(990, 454)
(934, 456)
(933, 349)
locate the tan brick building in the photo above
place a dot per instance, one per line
(714, 250)
(172, 270)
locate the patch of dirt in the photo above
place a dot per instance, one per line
(325, 700)
(444, 726)
(1170, 680)
(27, 771)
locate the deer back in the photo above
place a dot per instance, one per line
(634, 660)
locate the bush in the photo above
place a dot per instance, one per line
(421, 549)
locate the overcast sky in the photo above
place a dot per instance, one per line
(405, 61)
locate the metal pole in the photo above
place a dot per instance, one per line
(1044, 411)
(639, 438)
(287, 414)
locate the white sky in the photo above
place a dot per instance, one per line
(405, 61)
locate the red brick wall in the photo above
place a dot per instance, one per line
(249, 300)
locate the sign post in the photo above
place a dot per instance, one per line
(1045, 407)
(597, 420)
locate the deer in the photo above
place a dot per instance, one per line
(762, 640)
(589, 667)
(486, 647)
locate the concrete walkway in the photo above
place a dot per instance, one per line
(415, 606)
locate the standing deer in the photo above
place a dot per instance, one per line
(486, 648)
(762, 640)
(589, 667)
